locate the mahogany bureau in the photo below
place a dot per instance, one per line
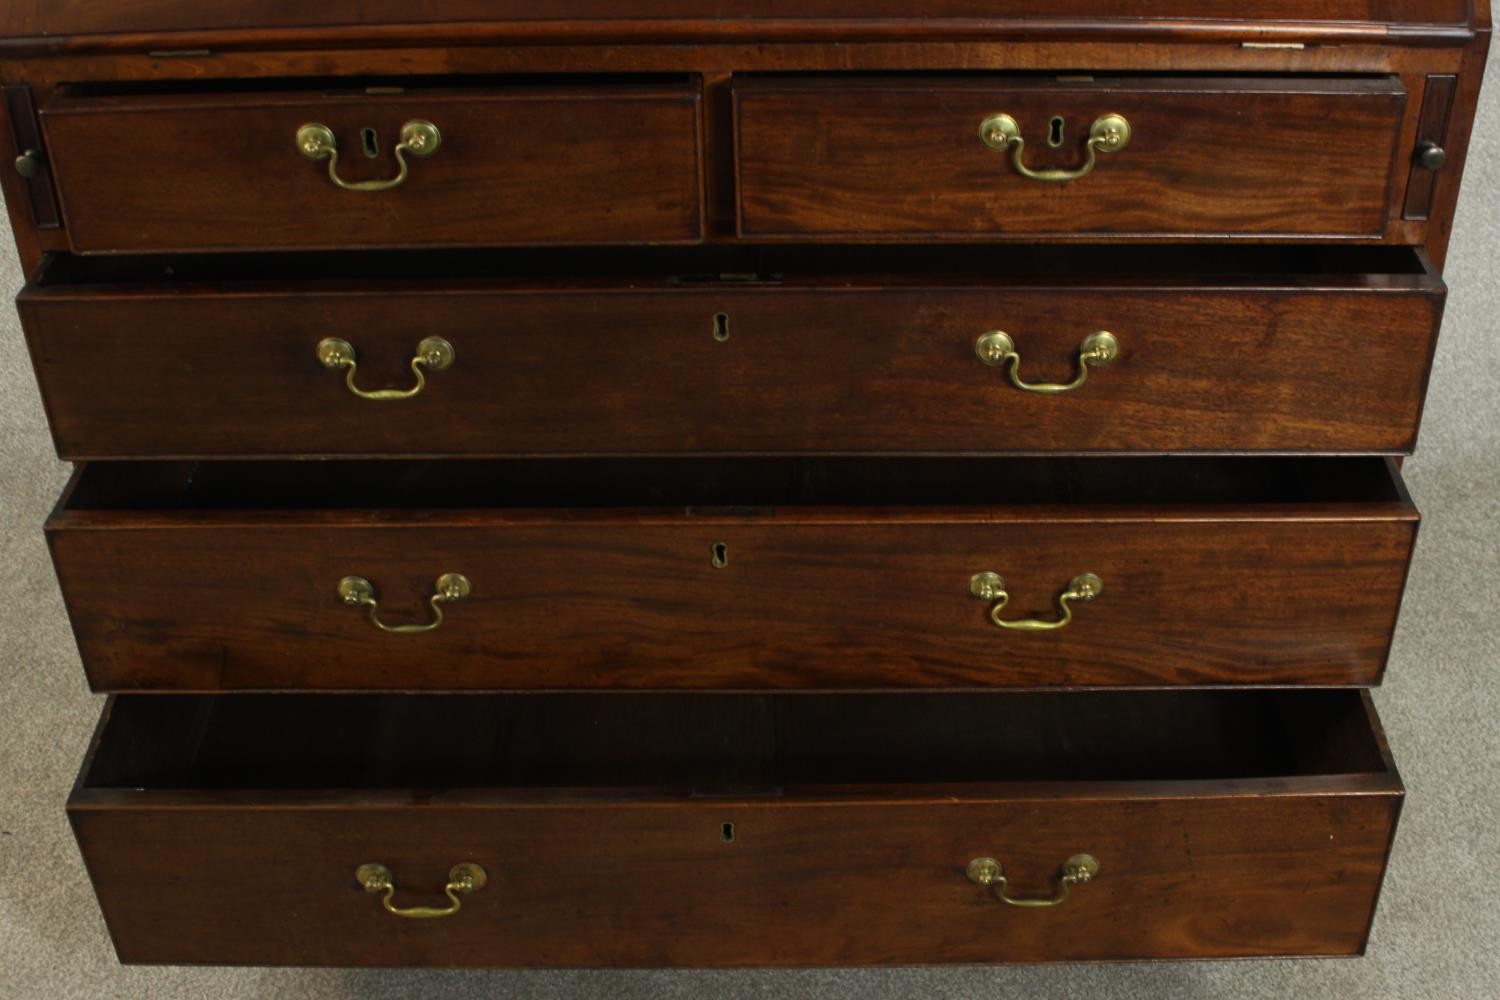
(664, 483)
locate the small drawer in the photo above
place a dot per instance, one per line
(576, 830)
(944, 158)
(234, 170)
(733, 574)
(881, 350)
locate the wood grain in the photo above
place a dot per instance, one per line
(867, 363)
(520, 165)
(862, 874)
(72, 25)
(595, 597)
(902, 158)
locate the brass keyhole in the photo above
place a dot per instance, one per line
(1055, 131)
(726, 833)
(721, 327)
(720, 555)
(370, 140)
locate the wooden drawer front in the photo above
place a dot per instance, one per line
(1286, 862)
(881, 364)
(612, 164)
(1206, 157)
(602, 592)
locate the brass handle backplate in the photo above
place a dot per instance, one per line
(1082, 589)
(998, 350)
(464, 878)
(357, 592)
(433, 353)
(1109, 134)
(1077, 870)
(318, 143)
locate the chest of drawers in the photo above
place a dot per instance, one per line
(679, 484)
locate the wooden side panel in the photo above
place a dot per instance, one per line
(901, 159)
(878, 601)
(520, 166)
(800, 884)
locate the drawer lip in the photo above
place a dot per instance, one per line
(771, 269)
(1187, 83)
(810, 797)
(76, 99)
(398, 518)
(1366, 220)
(71, 514)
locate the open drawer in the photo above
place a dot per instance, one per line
(649, 830)
(966, 157)
(737, 351)
(830, 573)
(413, 165)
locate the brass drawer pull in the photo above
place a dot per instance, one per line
(463, 879)
(997, 350)
(318, 143)
(433, 352)
(1109, 134)
(1077, 870)
(357, 592)
(990, 587)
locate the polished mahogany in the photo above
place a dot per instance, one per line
(773, 352)
(902, 158)
(733, 831)
(201, 170)
(802, 574)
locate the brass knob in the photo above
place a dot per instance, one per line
(1432, 156)
(29, 164)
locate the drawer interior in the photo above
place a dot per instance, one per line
(727, 744)
(709, 485)
(1315, 265)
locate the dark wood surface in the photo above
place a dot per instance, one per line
(227, 829)
(902, 158)
(66, 25)
(197, 365)
(518, 165)
(861, 585)
(712, 875)
(1402, 41)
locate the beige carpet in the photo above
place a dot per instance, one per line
(1438, 930)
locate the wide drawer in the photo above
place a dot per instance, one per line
(736, 830)
(769, 351)
(904, 157)
(518, 164)
(734, 574)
